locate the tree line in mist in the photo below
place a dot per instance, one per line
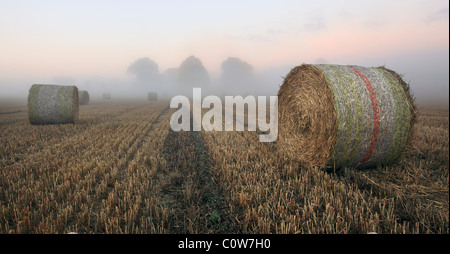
(237, 76)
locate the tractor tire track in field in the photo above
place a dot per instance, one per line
(83, 126)
(11, 112)
(189, 187)
(140, 141)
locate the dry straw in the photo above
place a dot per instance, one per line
(152, 96)
(52, 104)
(344, 116)
(83, 97)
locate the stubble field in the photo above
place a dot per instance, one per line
(121, 169)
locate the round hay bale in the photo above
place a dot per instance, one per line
(52, 104)
(83, 97)
(344, 116)
(152, 96)
(106, 96)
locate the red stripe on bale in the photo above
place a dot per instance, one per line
(376, 115)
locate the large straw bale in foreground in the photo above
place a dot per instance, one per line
(52, 104)
(344, 116)
(83, 97)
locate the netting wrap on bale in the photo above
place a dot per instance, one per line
(83, 97)
(344, 116)
(52, 104)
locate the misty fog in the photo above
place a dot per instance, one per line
(426, 72)
(131, 48)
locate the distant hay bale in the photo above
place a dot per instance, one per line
(344, 116)
(106, 96)
(152, 96)
(83, 97)
(52, 104)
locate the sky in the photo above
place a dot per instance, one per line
(92, 42)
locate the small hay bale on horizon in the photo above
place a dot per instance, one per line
(52, 104)
(106, 96)
(344, 116)
(152, 96)
(83, 97)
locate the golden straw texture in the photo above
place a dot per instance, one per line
(344, 116)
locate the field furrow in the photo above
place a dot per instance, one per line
(269, 193)
(19, 138)
(72, 182)
(122, 169)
